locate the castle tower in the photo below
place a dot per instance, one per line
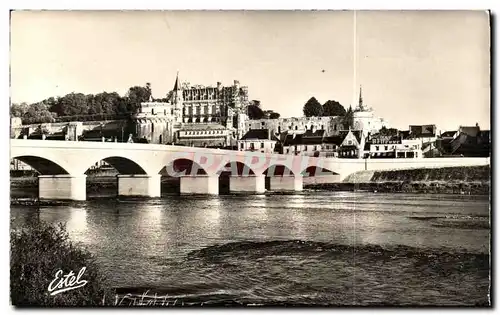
(177, 100)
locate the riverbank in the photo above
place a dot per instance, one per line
(468, 180)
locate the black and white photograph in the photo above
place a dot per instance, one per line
(250, 158)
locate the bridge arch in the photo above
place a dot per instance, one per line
(276, 170)
(123, 165)
(182, 167)
(42, 165)
(235, 168)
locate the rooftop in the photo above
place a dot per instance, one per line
(260, 134)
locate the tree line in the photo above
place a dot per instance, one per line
(313, 108)
(81, 107)
(105, 105)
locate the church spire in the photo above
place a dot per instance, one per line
(176, 85)
(360, 103)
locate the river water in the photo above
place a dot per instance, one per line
(312, 248)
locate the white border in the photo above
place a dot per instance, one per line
(190, 4)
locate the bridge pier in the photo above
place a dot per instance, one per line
(286, 183)
(139, 185)
(249, 184)
(62, 187)
(200, 184)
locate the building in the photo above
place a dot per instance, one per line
(425, 133)
(203, 135)
(309, 143)
(258, 140)
(352, 145)
(468, 141)
(364, 118)
(298, 125)
(392, 147)
(195, 115)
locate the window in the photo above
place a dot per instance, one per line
(349, 142)
(386, 148)
(252, 147)
(335, 127)
(242, 145)
(152, 111)
(287, 150)
(263, 124)
(262, 145)
(305, 148)
(295, 148)
(315, 148)
(296, 127)
(376, 147)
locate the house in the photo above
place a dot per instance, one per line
(331, 146)
(311, 143)
(467, 141)
(392, 147)
(352, 145)
(423, 131)
(260, 140)
(449, 134)
(308, 143)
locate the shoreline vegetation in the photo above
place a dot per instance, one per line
(38, 252)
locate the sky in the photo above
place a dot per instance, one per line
(415, 67)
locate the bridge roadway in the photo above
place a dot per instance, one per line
(63, 164)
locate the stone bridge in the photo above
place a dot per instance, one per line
(63, 165)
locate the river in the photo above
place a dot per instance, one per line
(312, 248)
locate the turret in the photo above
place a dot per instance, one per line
(177, 99)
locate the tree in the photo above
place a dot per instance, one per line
(333, 108)
(254, 112)
(37, 252)
(38, 113)
(388, 131)
(312, 108)
(348, 120)
(72, 104)
(136, 95)
(274, 115)
(18, 110)
(256, 103)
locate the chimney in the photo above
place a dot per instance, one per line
(219, 85)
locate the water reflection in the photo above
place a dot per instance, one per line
(136, 240)
(206, 220)
(77, 223)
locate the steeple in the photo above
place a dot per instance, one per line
(360, 103)
(176, 85)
